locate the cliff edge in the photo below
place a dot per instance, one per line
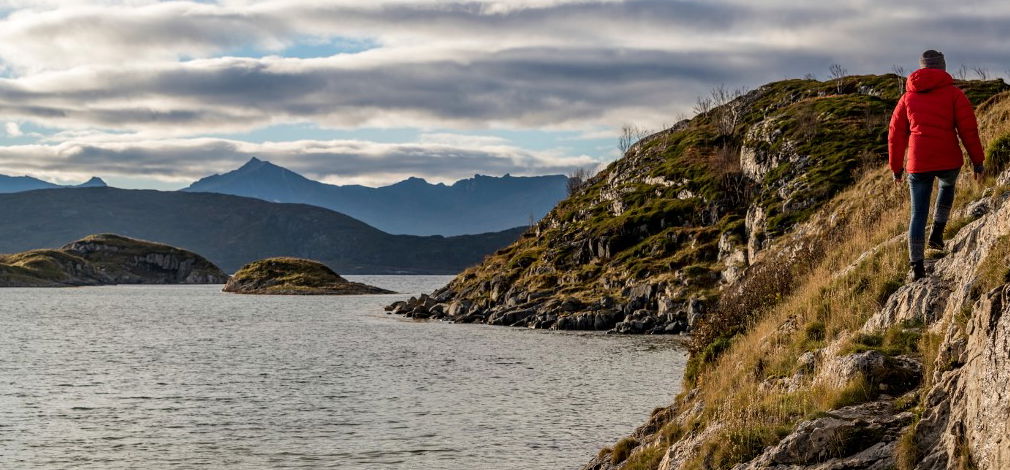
(107, 259)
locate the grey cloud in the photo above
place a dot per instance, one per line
(437, 64)
(355, 161)
(525, 87)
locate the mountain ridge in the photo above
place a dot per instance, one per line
(232, 230)
(12, 184)
(413, 206)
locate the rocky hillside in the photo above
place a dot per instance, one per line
(107, 259)
(650, 243)
(823, 356)
(294, 276)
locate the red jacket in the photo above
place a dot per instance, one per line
(927, 121)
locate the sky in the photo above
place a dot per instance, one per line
(149, 94)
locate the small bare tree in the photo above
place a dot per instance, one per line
(981, 72)
(899, 70)
(576, 180)
(962, 72)
(630, 134)
(730, 108)
(838, 73)
(809, 76)
(702, 105)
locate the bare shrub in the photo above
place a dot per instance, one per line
(838, 73)
(702, 105)
(962, 72)
(981, 72)
(730, 108)
(630, 135)
(577, 179)
(899, 70)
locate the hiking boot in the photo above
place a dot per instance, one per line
(935, 241)
(918, 270)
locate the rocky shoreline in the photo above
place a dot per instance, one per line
(647, 311)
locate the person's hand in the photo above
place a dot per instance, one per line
(897, 179)
(979, 172)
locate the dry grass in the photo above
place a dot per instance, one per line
(823, 306)
(994, 270)
(831, 300)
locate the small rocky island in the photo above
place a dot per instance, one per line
(294, 276)
(106, 259)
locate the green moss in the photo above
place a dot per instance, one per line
(901, 339)
(622, 450)
(646, 459)
(737, 445)
(997, 155)
(978, 91)
(994, 270)
(859, 390)
(708, 355)
(815, 331)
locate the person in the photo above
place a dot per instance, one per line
(927, 122)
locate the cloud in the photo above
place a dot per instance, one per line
(12, 129)
(476, 64)
(515, 88)
(135, 80)
(334, 161)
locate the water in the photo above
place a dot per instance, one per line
(189, 377)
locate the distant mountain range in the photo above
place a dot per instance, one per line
(16, 184)
(413, 206)
(231, 231)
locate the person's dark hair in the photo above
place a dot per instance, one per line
(933, 60)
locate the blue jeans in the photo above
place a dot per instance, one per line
(920, 185)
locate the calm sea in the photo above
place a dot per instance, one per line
(189, 377)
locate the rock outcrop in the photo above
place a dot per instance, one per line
(848, 364)
(917, 406)
(107, 259)
(648, 245)
(294, 276)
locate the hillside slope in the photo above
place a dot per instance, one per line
(648, 245)
(232, 231)
(475, 205)
(823, 356)
(107, 259)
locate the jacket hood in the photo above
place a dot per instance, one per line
(928, 79)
